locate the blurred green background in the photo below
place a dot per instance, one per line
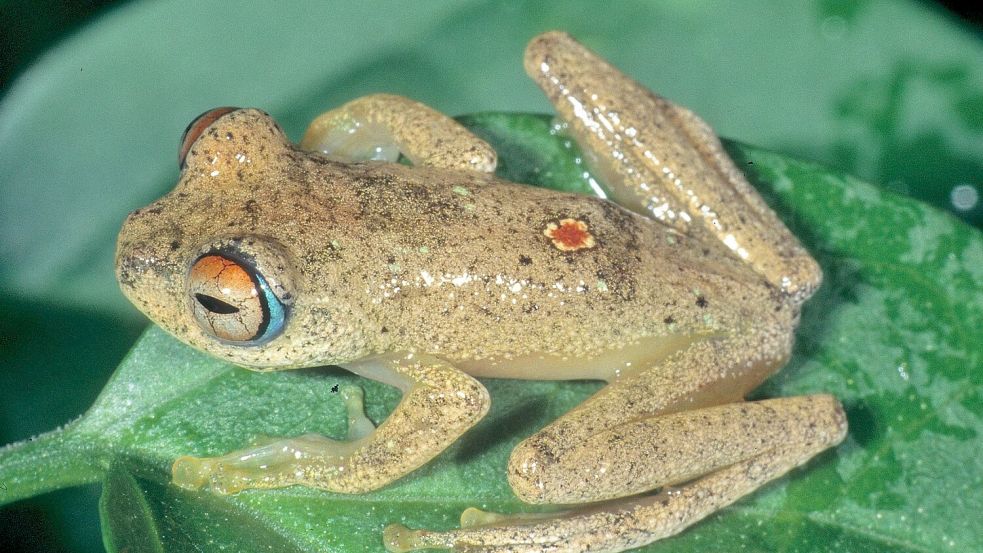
(95, 96)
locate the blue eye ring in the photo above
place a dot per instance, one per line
(232, 300)
(274, 310)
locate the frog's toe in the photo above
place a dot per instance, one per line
(273, 463)
(228, 480)
(480, 532)
(191, 473)
(400, 539)
(217, 474)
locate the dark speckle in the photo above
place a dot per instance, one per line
(175, 245)
(701, 301)
(669, 320)
(334, 389)
(525, 260)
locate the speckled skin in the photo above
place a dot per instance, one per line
(421, 276)
(339, 234)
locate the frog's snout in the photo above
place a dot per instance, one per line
(129, 266)
(131, 259)
(142, 260)
(136, 272)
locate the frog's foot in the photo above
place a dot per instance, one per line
(399, 538)
(276, 462)
(383, 126)
(307, 459)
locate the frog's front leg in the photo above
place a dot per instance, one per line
(439, 404)
(383, 126)
(679, 425)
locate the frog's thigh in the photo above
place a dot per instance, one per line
(439, 404)
(382, 126)
(681, 418)
(660, 450)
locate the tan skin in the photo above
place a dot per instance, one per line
(683, 298)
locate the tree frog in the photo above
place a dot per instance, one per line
(681, 291)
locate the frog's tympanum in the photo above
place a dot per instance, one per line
(682, 292)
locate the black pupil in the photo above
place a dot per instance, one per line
(216, 305)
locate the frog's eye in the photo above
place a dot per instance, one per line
(198, 126)
(232, 301)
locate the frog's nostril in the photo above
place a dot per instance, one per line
(132, 264)
(132, 271)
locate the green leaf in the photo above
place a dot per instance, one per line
(894, 332)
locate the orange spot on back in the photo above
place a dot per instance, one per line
(570, 235)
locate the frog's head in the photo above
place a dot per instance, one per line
(224, 263)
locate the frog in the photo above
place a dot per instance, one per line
(383, 243)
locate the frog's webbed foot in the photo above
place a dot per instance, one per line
(271, 462)
(383, 126)
(663, 161)
(439, 404)
(273, 465)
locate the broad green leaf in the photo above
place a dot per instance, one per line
(894, 332)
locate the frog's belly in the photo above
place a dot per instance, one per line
(608, 365)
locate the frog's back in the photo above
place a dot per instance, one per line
(477, 267)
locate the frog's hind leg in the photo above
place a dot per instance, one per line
(383, 126)
(663, 161)
(610, 527)
(680, 423)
